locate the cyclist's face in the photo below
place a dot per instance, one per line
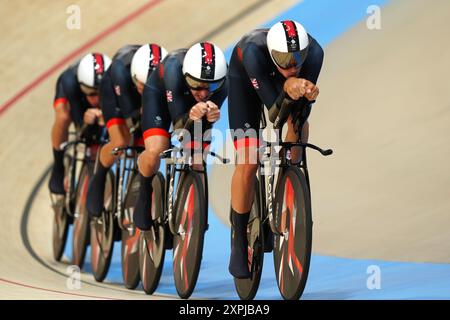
(93, 100)
(291, 72)
(200, 95)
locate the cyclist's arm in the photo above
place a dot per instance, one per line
(123, 87)
(174, 84)
(257, 67)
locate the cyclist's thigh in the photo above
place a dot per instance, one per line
(244, 110)
(109, 103)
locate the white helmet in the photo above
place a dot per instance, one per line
(91, 69)
(288, 44)
(146, 59)
(204, 62)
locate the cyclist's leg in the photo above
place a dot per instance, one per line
(119, 137)
(59, 135)
(149, 162)
(244, 115)
(155, 125)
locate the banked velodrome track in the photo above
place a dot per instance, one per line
(382, 199)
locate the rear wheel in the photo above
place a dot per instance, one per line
(130, 237)
(190, 224)
(247, 288)
(152, 242)
(103, 230)
(292, 249)
(81, 219)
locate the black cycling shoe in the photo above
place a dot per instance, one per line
(141, 215)
(96, 192)
(56, 182)
(238, 266)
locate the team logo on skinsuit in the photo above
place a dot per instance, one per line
(117, 90)
(169, 96)
(255, 83)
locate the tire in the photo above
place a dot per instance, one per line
(292, 216)
(247, 288)
(81, 218)
(152, 244)
(61, 219)
(190, 223)
(130, 237)
(103, 231)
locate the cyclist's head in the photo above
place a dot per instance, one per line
(288, 44)
(146, 59)
(90, 72)
(204, 69)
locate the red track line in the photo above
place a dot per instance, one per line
(119, 24)
(55, 291)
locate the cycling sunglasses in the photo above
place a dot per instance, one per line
(197, 85)
(287, 60)
(88, 91)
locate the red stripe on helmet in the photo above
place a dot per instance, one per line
(290, 28)
(208, 57)
(155, 52)
(99, 65)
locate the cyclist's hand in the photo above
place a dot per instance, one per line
(297, 88)
(198, 111)
(312, 91)
(213, 113)
(91, 115)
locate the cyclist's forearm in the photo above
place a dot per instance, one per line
(181, 121)
(283, 100)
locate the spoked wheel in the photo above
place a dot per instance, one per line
(130, 237)
(61, 219)
(292, 250)
(102, 234)
(247, 288)
(81, 219)
(151, 243)
(190, 224)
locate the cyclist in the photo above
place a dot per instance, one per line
(120, 99)
(189, 84)
(76, 100)
(275, 67)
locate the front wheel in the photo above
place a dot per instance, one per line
(81, 219)
(190, 224)
(61, 218)
(152, 242)
(247, 288)
(103, 230)
(292, 249)
(130, 237)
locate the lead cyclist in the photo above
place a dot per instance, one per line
(275, 67)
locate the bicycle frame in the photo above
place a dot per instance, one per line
(178, 164)
(285, 161)
(126, 166)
